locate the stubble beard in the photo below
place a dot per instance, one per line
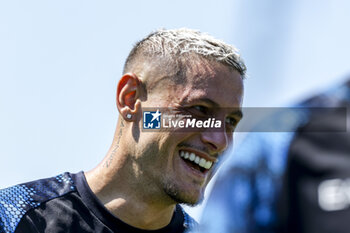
(181, 197)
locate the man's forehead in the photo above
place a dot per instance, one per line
(199, 79)
(223, 88)
(213, 74)
(203, 69)
(203, 96)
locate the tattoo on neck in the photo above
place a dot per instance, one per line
(116, 146)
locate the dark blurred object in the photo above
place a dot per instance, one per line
(293, 181)
(316, 191)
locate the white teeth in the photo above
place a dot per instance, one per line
(202, 162)
(196, 159)
(192, 156)
(208, 164)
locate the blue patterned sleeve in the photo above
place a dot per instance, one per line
(17, 200)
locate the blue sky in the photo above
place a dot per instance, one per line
(61, 60)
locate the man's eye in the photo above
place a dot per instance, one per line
(231, 121)
(201, 109)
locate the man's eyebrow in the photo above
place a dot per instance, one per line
(210, 102)
(237, 112)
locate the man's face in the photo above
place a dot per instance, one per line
(207, 87)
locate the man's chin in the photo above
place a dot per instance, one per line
(193, 204)
(181, 197)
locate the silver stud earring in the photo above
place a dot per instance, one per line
(128, 116)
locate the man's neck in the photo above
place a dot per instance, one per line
(128, 198)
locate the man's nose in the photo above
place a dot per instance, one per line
(216, 141)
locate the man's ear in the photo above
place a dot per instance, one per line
(128, 93)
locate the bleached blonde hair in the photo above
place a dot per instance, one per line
(176, 43)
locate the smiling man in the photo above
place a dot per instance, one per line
(145, 174)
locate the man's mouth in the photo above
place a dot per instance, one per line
(195, 161)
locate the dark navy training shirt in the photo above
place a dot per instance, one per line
(65, 203)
